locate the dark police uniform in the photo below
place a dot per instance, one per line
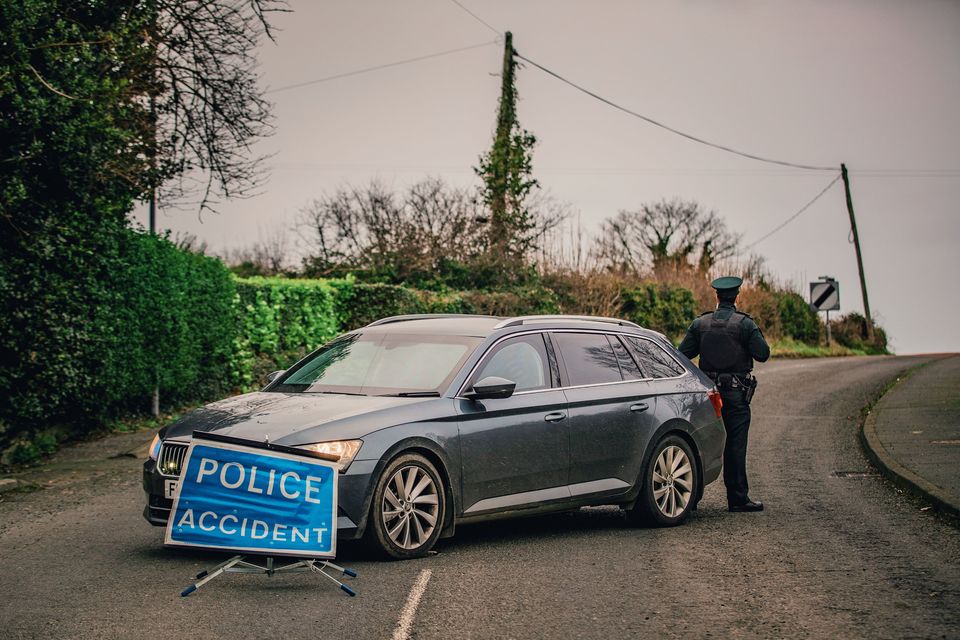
(728, 341)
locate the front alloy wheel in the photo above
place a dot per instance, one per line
(669, 485)
(408, 508)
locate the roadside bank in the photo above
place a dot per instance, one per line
(912, 434)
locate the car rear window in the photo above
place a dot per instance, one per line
(628, 367)
(653, 359)
(588, 357)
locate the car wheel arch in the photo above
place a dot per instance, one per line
(697, 459)
(682, 429)
(432, 452)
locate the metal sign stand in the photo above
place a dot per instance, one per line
(239, 564)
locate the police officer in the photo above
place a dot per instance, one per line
(728, 341)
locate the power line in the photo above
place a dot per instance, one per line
(478, 18)
(796, 215)
(378, 67)
(671, 129)
(906, 173)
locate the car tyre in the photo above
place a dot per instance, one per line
(670, 484)
(408, 509)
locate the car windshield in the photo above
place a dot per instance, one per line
(380, 364)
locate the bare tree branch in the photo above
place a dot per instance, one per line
(209, 107)
(49, 86)
(667, 234)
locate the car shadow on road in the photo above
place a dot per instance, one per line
(573, 526)
(577, 526)
(569, 524)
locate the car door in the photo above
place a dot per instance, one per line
(662, 370)
(515, 450)
(611, 412)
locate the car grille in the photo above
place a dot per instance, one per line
(171, 458)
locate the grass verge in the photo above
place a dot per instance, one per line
(24, 453)
(789, 348)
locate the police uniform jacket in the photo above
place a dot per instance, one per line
(753, 345)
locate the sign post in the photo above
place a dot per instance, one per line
(256, 498)
(825, 296)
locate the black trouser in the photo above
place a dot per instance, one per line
(736, 421)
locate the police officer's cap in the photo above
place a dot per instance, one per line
(727, 284)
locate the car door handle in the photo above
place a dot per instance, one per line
(640, 406)
(556, 416)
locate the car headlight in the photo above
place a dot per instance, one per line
(155, 447)
(346, 449)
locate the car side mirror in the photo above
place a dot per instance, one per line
(273, 376)
(491, 388)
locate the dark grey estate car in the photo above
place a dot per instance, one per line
(443, 420)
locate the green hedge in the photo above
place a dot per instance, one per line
(174, 320)
(518, 302)
(278, 321)
(94, 321)
(797, 319)
(360, 304)
(660, 307)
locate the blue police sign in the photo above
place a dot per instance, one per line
(238, 498)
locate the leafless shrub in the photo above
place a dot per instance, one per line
(269, 256)
(670, 234)
(189, 242)
(372, 228)
(375, 229)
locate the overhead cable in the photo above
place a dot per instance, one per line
(796, 215)
(379, 67)
(478, 18)
(671, 129)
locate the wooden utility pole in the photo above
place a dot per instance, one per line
(155, 396)
(153, 166)
(856, 244)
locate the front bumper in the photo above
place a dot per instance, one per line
(353, 497)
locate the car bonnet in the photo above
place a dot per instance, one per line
(294, 418)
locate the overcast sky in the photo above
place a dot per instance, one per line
(872, 83)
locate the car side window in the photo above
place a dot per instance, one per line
(522, 360)
(588, 357)
(656, 362)
(628, 367)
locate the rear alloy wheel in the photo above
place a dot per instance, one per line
(669, 485)
(408, 508)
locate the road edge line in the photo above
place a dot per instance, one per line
(896, 472)
(405, 623)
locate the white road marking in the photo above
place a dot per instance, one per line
(402, 632)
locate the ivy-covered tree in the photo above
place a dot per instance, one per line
(507, 173)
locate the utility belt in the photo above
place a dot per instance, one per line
(746, 382)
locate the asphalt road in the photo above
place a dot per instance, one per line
(834, 555)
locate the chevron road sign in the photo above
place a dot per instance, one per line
(825, 295)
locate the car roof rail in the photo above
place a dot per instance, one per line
(425, 316)
(520, 320)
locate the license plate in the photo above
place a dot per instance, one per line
(169, 488)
